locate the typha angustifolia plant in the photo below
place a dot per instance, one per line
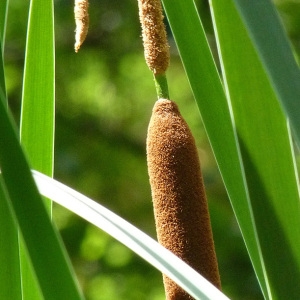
(179, 200)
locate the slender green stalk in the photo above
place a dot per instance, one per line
(161, 85)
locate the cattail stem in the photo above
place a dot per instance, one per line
(156, 48)
(82, 22)
(161, 85)
(179, 200)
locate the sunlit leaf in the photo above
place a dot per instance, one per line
(133, 238)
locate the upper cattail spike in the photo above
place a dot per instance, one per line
(82, 22)
(154, 34)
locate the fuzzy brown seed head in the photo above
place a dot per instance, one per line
(179, 200)
(154, 34)
(82, 22)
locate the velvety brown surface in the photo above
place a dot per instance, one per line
(154, 36)
(180, 206)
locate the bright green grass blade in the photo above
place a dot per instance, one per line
(37, 114)
(212, 103)
(37, 117)
(266, 152)
(275, 52)
(130, 236)
(50, 262)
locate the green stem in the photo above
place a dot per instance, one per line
(161, 85)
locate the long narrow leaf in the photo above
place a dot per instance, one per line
(276, 54)
(216, 116)
(45, 249)
(266, 154)
(37, 114)
(130, 236)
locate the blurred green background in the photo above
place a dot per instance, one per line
(104, 98)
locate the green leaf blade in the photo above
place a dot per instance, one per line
(37, 116)
(276, 55)
(130, 236)
(266, 153)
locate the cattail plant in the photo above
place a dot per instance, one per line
(180, 206)
(82, 22)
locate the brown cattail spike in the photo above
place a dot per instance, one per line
(154, 36)
(82, 22)
(179, 200)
